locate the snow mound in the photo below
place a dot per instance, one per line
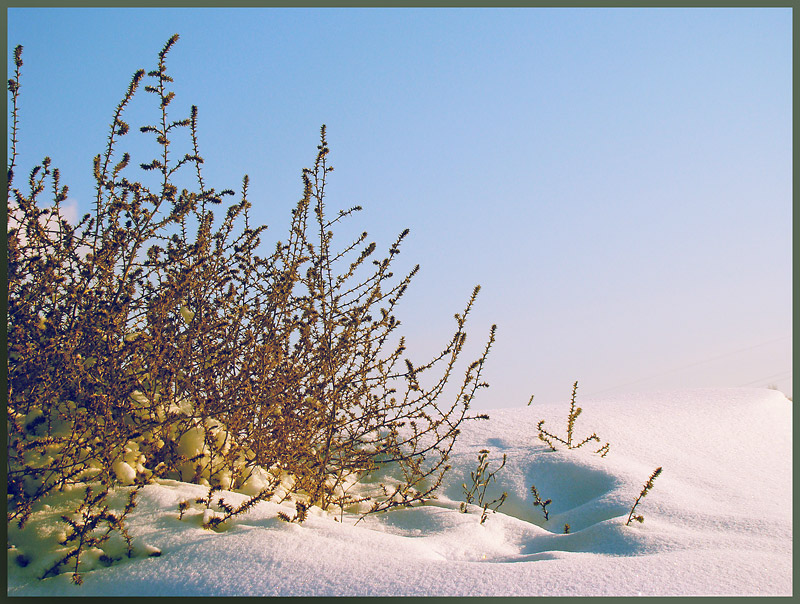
(718, 520)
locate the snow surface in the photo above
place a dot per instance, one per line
(718, 520)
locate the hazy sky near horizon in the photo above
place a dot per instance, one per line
(619, 181)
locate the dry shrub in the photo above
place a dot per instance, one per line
(151, 340)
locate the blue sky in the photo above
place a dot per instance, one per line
(619, 181)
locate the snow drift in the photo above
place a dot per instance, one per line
(718, 520)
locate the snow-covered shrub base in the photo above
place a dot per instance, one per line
(44, 548)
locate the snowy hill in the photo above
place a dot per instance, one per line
(718, 520)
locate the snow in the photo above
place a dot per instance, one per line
(718, 520)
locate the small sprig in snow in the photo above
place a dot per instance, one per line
(537, 501)
(574, 412)
(648, 485)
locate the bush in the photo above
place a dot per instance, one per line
(151, 340)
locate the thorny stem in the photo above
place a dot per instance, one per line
(13, 87)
